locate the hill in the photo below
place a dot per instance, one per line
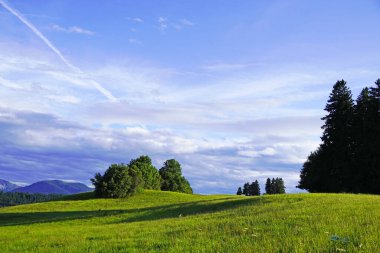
(173, 222)
(54, 187)
(7, 186)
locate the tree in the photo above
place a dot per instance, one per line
(150, 175)
(280, 186)
(118, 181)
(311, 172)
(275, 186)
(366, 165)
(268, 186)
(374, 172)
(363, 118)
(172, 179)
(239, 192)
(337, 145)
(255, 188)
(246, 189)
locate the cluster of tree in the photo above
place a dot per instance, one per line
(252, 189)
(348, 159)
(19, 198)
(123, 180)
(274, 186)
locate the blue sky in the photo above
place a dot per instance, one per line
(234, 90)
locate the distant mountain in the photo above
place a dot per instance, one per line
(6, 186)
(54, 187)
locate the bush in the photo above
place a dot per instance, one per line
(119, 181)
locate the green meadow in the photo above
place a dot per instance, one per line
(156, 221)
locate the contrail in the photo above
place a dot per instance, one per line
(97, 85)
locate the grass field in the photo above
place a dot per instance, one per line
(173, 222)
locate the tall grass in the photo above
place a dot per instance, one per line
(173, 222)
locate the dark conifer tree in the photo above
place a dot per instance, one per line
(255, 188)
(362, 142)
(366, 165)
(280, 186)
(246, 189)
(239, 192)
(268, 186)
(334, 166)
(310, 177)
(374, 172)
(273, 186)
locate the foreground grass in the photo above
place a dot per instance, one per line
(173, 222)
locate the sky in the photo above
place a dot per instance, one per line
(233, 90)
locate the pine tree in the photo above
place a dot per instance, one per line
(255, 188)
(366, 165)
(273, 186)
(334, 165)
(311, 172)
(362, 142)
(374, 172)
(246, 189)
(268, 186)
(280, 186)
(239, 192)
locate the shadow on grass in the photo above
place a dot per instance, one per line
(189, 209)
(132, 215)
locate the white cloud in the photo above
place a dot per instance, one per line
(72, 29)
(181, 24)
(186, 22)
(138, 20)
(212, 164)
(224, 66)
(66, 99)
(134, 41)
(162, 24)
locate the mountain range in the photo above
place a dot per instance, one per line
(46, 187)
(6, 186)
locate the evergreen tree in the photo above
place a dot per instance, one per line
(366, 165)
(374, 172)
(20, 198)
(239, 192)
(268, 186)
(255, 188)
(280, 186)
(246, 189)
(334, 165)
(273, 186)
(310, 173)
(362, 141)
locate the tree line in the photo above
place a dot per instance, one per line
(348, 159)
(274, 186)
(19, 198)
(123, 180)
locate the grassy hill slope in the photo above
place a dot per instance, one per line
(173, 222)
